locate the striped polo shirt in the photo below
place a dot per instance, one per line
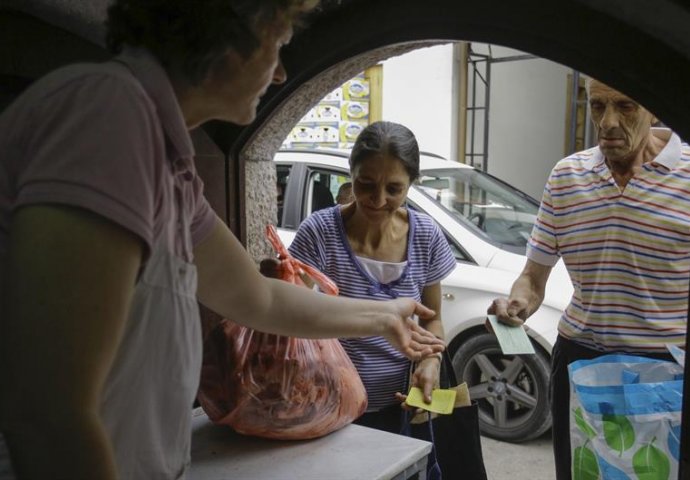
(321, 242)
(627, 251)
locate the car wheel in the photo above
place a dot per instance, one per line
(512, 390)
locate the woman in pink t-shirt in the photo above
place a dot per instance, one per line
(106, 243)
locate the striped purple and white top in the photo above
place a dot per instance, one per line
(627, 252)
(321, 242)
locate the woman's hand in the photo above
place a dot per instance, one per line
(406, 335)
(426, 378)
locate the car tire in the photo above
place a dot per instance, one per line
(512, 390)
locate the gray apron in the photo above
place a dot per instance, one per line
(146, 403)
(147, 400)
(148, 397)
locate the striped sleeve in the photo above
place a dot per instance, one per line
(542, 246)
(307, 246)
(441, 258)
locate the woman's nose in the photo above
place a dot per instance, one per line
(279, 74)
(379, 197)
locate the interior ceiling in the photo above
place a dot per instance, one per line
(86, 17)
(83, 17)
(630, 44)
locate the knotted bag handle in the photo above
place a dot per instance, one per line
(294, 268)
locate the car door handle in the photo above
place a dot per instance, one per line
(448, 296)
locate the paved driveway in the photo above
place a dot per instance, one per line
(526, 461)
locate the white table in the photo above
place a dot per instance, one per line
(352, 453)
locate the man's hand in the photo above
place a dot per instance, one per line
(407, 336)
(526, 296)
(512, 311)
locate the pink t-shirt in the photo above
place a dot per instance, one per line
(109, 138)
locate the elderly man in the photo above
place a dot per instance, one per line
(103, 226)
(619, 216)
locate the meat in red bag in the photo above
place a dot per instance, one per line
(279, 387)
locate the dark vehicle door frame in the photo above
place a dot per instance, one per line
(294, 193)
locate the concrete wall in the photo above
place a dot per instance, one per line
(526, 115)
(526, 120)
(417, 93)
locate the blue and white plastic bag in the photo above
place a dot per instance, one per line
(625, 415)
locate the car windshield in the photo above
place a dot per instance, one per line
(503, 213)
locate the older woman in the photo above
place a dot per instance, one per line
(104, 226)
(378, 248)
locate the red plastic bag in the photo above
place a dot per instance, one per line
(279, 387)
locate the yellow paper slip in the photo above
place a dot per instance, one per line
(442, 401)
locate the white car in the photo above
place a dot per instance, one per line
(487, 223)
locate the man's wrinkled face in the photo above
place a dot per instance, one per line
(622, 125)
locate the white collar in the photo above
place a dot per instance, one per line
(668, 157)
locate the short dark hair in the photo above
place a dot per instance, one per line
(191, 35)
(387, 138)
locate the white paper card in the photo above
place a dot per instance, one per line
(513, 340)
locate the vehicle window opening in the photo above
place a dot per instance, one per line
(282, 177)
(323, 189)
